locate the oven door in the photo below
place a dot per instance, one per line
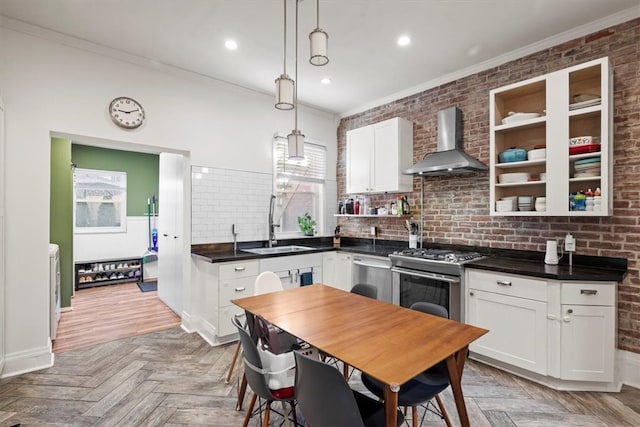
(411, 286)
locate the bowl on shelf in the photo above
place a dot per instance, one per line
(537, 154)
(515, 177)
(513, 117)
(583, 140)
(543, 176)
(504, 206)
(513, 155)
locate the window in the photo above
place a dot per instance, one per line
(100, 200)
(299, 186)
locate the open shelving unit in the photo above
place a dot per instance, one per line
(107, 272)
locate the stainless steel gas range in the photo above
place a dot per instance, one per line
(430, 275)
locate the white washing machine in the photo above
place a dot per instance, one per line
(54, 286)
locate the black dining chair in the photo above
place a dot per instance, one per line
(365, 290)
(257, 380)
(326, 400)
(421, 389)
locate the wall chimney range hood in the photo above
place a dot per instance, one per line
(450, 158)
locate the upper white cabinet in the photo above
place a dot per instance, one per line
(551, 110)
(376, 156)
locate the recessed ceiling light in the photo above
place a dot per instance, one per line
(404, 41)
(325, 81)
(230, 44)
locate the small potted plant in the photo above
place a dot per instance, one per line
(306, 224)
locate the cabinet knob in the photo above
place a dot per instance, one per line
(570, 311)
(471, 294)
(165, 235)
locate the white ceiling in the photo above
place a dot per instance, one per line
(450, 38)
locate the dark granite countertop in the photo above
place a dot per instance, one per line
(528, 263)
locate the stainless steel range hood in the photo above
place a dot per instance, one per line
(450, 158)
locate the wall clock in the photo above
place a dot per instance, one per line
(126, 112)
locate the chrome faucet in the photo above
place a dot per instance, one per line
(272, 226)
(235, 238)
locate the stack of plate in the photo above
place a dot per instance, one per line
(589, 167)
(525, 203)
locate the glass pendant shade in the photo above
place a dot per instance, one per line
(284, 92)
(296, 145)
(319, 45)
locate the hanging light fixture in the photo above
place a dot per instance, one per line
(296, 139)
(284, 83)
(319, 42)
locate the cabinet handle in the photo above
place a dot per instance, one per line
(240, 268)
(588, 291)
(241, 289)
(503, 283)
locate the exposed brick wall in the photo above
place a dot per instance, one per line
(457, 208)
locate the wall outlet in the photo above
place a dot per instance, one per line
(569, 243)
(373, 230)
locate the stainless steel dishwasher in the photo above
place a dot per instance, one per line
(373, 270)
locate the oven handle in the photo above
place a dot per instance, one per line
(426, 275)
(358, 261)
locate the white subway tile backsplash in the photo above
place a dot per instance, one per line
(222, 197)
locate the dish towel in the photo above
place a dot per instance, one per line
(306, 278)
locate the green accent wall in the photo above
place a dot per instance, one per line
(143, 172)
(61, 213)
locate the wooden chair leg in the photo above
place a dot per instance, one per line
(232, 365)
(345, 371)
(241, 392)
(414, 416)
(443, 411)
(250, 410)
(267, 412)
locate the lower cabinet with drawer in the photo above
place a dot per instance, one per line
(216, 285)
(558, 333)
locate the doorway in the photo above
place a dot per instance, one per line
(135, 240)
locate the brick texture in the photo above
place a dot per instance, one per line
(456, 209)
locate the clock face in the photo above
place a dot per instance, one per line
(126, 112)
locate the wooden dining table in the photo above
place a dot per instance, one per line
(391, 343)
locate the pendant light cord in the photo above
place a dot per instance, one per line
(317, 13)
(284, 2)
(295, 84)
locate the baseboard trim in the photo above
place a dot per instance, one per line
(22, 362)
(629, 364)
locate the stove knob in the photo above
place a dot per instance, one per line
(450, 258)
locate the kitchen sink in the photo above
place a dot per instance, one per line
(278, 250)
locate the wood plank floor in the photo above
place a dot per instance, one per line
(172, 378)
(107, 313)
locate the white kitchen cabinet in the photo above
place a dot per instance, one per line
(2, 283)
(514, 310)
(376, 156)
(587, 349)
(216, 284)
(558, 333)
(337, 270)
(553, 97)
(290, 269)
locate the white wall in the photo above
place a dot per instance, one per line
(130, 244)
(49, 87)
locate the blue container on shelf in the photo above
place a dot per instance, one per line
(513, 155)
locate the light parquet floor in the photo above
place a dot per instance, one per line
(172, 378)
(107, 313)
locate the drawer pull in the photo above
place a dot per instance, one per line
(240, 269)
(241, 289)
(588, 291)
(503, 283)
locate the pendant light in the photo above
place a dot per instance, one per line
(296, 139)
(284, 83)
(319, 42)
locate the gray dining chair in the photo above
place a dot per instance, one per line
(257, 380)
(365, 290)
(326, 400)
(421, 389)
